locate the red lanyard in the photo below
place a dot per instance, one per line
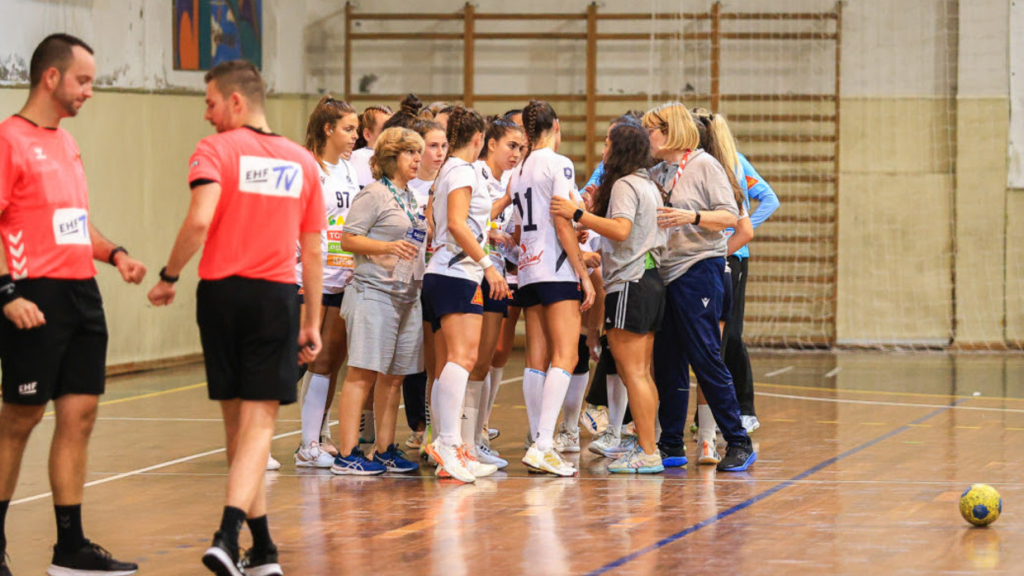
(682, 164)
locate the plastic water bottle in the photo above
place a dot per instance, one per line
(417, 236)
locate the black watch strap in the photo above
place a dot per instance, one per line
(696, 220)
(577, 215)
(166, 278)
(114, 252)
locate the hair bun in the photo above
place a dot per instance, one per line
(411, 104)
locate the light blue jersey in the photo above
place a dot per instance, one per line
(755, 187)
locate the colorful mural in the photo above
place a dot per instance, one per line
(208, 32)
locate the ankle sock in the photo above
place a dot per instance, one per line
(260, 533)
(69, 527)
(231, 524)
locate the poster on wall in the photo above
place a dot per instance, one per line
(208, 32)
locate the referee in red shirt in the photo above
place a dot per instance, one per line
(254, 195)
(53, 334)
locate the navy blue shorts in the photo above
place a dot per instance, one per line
(490, 304)
(444, 295)
(513, 296)
(428, 312)
(547, 293)
(327, 300)
(583, 358)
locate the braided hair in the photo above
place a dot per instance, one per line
(463, 124)
(538, 118)
(368, 121)
(408, 113)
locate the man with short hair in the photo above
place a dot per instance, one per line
(53, 334)
(254, 195)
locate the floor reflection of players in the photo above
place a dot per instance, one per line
(545, 552)
(453, 513)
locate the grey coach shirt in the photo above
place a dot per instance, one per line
(636, 199)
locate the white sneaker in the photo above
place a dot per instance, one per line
(476, 467)
(313, 457)
(594, 419)
(272, 464)
(566, 441)
(603, 442)
(709, 453)
(550, 462)
(488, 455)
(451, 461)
(750, 423)
(626, 445)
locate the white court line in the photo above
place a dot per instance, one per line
(174, 462)
(131, 419)
(832, 373)
(881, 403)
(777, 372)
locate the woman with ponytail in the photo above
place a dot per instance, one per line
(371, 124)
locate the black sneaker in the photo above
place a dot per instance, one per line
(222, 558)
(91, 558)
(738, 457)
(261, 563)
(672, 456)
(5, 570)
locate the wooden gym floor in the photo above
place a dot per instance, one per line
(862, 458)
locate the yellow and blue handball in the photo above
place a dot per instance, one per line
(981, 505)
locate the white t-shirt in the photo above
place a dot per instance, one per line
(497, 189)
(449, 259)
(360, 160)
(544, 175)
(339, 186)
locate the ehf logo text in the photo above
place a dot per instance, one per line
(27, 389)
(71, 226)
(269, 176)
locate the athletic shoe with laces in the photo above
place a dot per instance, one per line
(261, 563)
(738, 457)
(550, 461)
(637, 462)
(415, 441)
(709, 453)
(313, 457)
(221, 558)
(394, 460)
(272, 463)
(356, 464)
(90, 559)
(750, 423)
(452, 462)
(492, 433)
(566, 441)
(594, 419)
(327, 445)
(476, 467)
(367, 434)
(488, 455)
(625, 446)
(673, 456)
(604, 441)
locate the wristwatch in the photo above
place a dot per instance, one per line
(696, 220)
(166, 278)
(577, 215)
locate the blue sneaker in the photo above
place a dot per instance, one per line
(673, 456)
(356, 464)
(394, 460)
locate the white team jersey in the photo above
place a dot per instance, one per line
(449, 258)
(497, 189)
(593, 244)
(339, 186)
(544, 174)
(360, 160)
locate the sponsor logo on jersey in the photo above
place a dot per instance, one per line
(568, 173)
(706, 301)
(40, 155)
(527, 257)
(478, 297)
(194, 163)
(28, 389)
(71, 226)
(334, 236)
(269, 176)
(336, 221)
(751, 182)
(342, 260)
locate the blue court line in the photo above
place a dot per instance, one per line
(770, 492)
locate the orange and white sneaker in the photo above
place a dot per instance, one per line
(709, 453)
(475, 466)
(451, 461)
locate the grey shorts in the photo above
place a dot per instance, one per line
(383, 336)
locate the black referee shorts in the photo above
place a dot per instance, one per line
(639, 307)
(67, 355)
(250, 330)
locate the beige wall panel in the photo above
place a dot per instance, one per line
(1015, 267)
(902, 135)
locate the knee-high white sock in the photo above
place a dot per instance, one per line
(556, 384)
(495, 378)
(447, 398)
(573, 403)
(471, 412)
(705, 424)
(313, 407)
(617, 401)
(533, 393)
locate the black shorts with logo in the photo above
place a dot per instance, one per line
(639, 307)
(67, 355)
(250, 330)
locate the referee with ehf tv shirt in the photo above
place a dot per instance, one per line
(254, 195)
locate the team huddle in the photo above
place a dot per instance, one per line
(407, 245)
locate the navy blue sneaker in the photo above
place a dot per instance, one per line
(738, 457)
(673, 456)
(394, 460)
(356, 464)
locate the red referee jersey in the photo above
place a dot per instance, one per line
(45, 203)
(270, 192)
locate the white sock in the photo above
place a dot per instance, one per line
(556, 384)
(533, 393)
(447, 398)
(617, 402)
(573, 403)
(471, 412)
(495, 378)
(705, 424)
(313, 407)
